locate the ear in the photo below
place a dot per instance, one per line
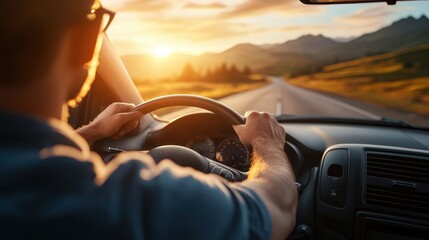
(84, 39)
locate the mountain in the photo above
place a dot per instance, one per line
(411, 63)
(405, 33)
(244, 48)
(403, 84)
(241, 55)
(306, 44)
(397, 29)
(344, 39)
(306, 54)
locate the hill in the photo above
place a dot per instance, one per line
(306, 54)
(398, 80)
(405, 33)
(307, 44)
(241, 55)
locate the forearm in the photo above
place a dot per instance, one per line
(271, 176)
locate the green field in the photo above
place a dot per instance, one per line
(398, 80)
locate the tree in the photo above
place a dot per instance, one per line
(189, 74)
(209, 76)
(247, 71)
(234, 74)
(220, 74)
(223, 71)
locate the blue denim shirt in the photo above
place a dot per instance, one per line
(53, 187)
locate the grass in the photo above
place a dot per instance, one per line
(398, 80)
(154, 89)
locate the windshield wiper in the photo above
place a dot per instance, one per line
(383, 121)
(397, 122)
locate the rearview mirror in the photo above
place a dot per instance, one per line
(389, 2)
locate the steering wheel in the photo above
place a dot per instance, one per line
(186, 157)
(191, 101)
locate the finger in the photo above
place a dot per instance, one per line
(274, 119)
(247, 114)
(118, 135)
(120, 120)
(252, 115)
(241, 133)
(265, 115)
(126, 128)
(238, 128)
(119, 107)
(124, 118)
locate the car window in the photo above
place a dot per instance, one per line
(365, 61)
(98, 99)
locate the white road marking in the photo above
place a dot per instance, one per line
(347, 106)
(338, 103)
(279, 107)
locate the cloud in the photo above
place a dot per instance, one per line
(213, 5)
(133, 33)
(231, 9)
(259, 7)
(189, 20)
(190, 30)
(328, 30)
(373, 15)
(307, 28)
(144, 5)
(198, 25)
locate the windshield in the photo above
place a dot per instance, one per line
(361, 61)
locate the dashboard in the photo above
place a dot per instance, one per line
(373, 192)
(229, 151)
(214, 138)
(356, 181)
(361, 181)
(206, 134)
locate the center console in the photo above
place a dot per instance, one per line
(373, 192)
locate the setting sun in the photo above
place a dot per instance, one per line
(162, 51)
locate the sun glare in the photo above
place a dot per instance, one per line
(162, 51)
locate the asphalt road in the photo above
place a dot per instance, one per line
(279, 97)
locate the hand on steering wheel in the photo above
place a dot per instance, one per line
(187, 157)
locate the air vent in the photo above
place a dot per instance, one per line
(398, 199)
(398, 181)
(398, 167)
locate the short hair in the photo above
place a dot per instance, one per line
(30, 33)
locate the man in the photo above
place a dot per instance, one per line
(52, 186)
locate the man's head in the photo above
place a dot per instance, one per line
(32, 33)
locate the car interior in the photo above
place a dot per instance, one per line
(356, 178)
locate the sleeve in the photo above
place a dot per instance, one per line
(170, 202)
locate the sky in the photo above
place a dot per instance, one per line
(194, 27)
